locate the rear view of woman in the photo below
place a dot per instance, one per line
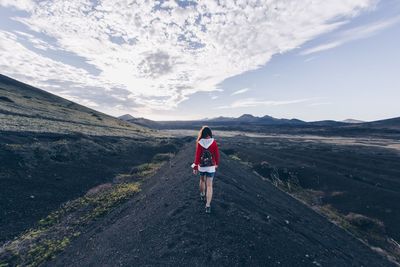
(205, 163)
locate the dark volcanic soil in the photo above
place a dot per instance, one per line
(253, 223)
(362, 179)
(39, 171)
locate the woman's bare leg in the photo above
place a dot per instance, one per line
(209, 191)
(202, 185)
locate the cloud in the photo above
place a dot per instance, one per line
(252, 102)
(241, 91)
(320, 104)
(155, 65)
(26, 5)
(158, 53)
(309, 59)
(354, 34)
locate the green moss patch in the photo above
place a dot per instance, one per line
(161, 157)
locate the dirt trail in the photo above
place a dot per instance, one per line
(252, 223)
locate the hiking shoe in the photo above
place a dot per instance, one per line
(208, 209)
(202, 198)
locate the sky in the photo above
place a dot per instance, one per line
(180, 60)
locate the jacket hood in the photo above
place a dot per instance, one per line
(206, 142)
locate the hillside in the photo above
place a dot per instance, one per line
(253, 224)
(26, 108)
(53, 150)
(393, 123)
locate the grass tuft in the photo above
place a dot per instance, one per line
(161, 157)
(234, 157)
(46, 250)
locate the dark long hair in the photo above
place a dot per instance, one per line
(204, 132)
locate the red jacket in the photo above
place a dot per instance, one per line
(213, 148)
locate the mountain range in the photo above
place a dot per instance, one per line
(248, 119)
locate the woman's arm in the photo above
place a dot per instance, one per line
(197, 156)
(216, 154)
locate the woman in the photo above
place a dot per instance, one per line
(205, 163)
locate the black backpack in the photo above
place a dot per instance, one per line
(206, 158)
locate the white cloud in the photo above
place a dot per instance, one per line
(354, 34)
(322, 47)
(241, 91)
(252, 102)
(28, 65)
(161, 54)
(320, 104)
(26, 5)
(309, 59)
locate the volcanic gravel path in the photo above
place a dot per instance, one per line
(252, 223)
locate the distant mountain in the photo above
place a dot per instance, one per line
(250, 119)
(247, 118)
(221, 118)
(326, 123)
(352, 121)
(140, 121)
(268, 120)
(393, 123)
(260, 123)
(126, 117)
